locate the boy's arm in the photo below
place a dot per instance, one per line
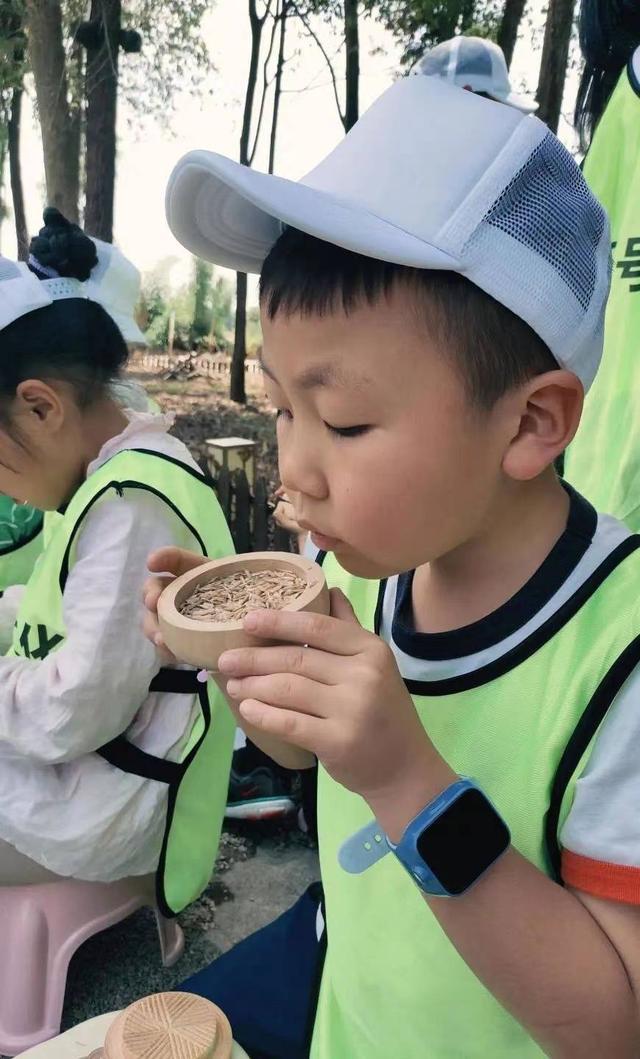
(565, 966)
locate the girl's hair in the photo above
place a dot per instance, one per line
(73, 340)
(609, 34)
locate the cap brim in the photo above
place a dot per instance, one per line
(232, 215)
(128, 329)
(523, 103)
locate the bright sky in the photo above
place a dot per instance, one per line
(309, 126)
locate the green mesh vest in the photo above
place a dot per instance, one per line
(603, 462)
(393, 985)
(197, 784)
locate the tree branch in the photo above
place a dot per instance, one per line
(314, 36)
(265, 84)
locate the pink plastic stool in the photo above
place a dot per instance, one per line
(41, 927)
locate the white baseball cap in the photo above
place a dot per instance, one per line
(114, 284)
(433, 178)
(477, 64)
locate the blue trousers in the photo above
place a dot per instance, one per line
(268, 984)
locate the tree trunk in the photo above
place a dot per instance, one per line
(277, 89)
(509, 26)
(237, 391)
(555, 55)
(15, 170)
(353, 63)
(102, 105)
(46, 49)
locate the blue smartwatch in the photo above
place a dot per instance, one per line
(446, 848)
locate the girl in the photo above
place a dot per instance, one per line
(110, 767)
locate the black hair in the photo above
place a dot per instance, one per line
(609, 34)
(492, 348)
(73, 340)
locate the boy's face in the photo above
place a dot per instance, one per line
(384, 458)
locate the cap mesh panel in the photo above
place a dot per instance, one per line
(548, 207)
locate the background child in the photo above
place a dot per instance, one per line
(88, 725)
(432, 313)
(604, 459)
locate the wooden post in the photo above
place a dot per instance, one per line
(242, 536)
(234, 454)
(260, 517)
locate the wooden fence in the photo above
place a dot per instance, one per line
(249, 514)
(207, 364)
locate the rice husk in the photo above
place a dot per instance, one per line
(231, 598)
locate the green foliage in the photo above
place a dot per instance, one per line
(12, 68)
(11, 56)
(203, 301)
(203, 308)
(174, 56)
(421, 24)
(223, 308)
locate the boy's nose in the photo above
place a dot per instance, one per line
(300, 474)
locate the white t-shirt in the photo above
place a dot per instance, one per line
(61, 804)
(601, 835)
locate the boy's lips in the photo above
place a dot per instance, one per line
(320, 540)
(325, 544)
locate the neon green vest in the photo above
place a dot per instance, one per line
(393, 984)
(20, 542)
(603, 462)
(198, 783)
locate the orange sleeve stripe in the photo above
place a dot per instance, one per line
(615, 882)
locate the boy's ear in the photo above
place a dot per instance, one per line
(39, 405)
(548, 410)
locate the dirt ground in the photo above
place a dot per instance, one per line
(203, 410)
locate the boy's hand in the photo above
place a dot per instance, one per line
(337, 692)
(284, 513)
(164, 564)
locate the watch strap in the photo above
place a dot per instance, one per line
(366, 847)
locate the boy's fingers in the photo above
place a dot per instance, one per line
(315, 630)
(175, 561)
(297, 728)
(152, 632)
(285, 690)
(263, 661)
(152, 590)
(341, 607)
(285, 518)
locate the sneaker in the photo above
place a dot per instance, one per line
(258, 788)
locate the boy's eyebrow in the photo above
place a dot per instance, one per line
(315, 377)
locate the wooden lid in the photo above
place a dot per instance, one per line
(170, 1026)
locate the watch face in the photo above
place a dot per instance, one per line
(463, 841)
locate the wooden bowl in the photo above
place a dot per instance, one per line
(170, 1026)
(202, 642)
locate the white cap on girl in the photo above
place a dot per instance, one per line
(114, 284)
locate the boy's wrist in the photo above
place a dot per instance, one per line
(396, 806)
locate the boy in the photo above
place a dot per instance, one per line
(431, 318)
